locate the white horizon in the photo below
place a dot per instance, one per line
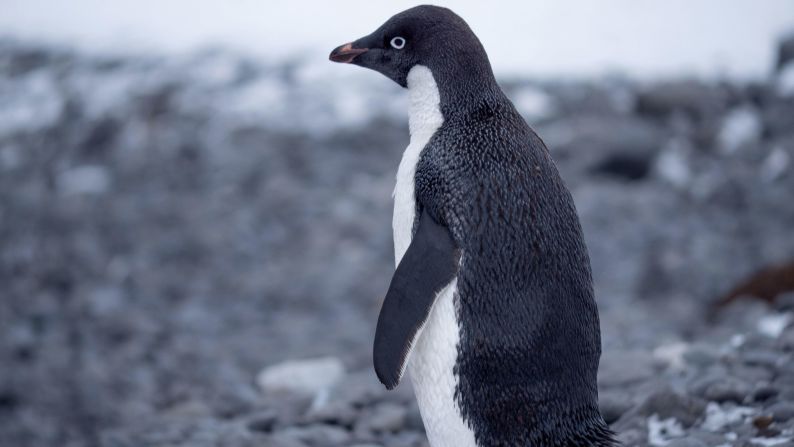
(570, 38)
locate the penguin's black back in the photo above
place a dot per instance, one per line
(529, 329)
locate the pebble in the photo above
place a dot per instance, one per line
(667, 403)
(740, 127)
(284, 440)
(620, 368)
(385, 417)
(752, 374)
(262, 421)
(413, 420)
(785, 301)
(309, 376)
(782, 411)
(721, 389)
(765, 358)
(613, 405)
(707, 437)
(687, 442)
(337, 413)
(765, 392)
(88, 180)
(318, 434)
(701, 355)
(632, 437)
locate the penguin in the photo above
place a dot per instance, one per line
(491, 307)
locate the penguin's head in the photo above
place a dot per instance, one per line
(424, 35)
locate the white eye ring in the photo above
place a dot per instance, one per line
(398, 42)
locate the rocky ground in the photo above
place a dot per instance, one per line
(193, 249)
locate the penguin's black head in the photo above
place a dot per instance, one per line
(427, 35)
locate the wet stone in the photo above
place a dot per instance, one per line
(782, 411)
(613, 405)
(721, 389)
(263, 421)
(667, 403)
(385, 417)
(763, 358)
(624, 367)
(335, 413)
(765, 392)
(318, 434)
(687, 442)
(632, 437)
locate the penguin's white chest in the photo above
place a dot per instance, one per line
(434, 353)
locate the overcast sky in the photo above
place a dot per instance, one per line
(536, 38)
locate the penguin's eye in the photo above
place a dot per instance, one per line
(397, 43)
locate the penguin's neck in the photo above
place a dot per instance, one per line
(465, 84)
(424, 111)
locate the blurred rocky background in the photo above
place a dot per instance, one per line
(193, 249)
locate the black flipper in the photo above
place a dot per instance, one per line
(428, 265)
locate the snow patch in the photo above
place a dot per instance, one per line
(30, 105)
(672, 354)
(772, 325)
(770, 441)
(533, 103)
(672, 164)
(742, 126)
(775, 164)
(719, 417)
(663, 431)
(737, 340)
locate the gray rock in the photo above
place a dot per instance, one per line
(309, 376)
(764, 358)
(687, 442)
(413, 420)
(613, 405)
(358, 389)
(702, 355)
(633, 437)
(405, 439)
(690, 97)
(336, 413)
(284, 440)
(786, 339)
(740, 127)
(620, 368)
(667, 403)
(782, 411)
(87, 180)
(784, 301)
(385, 417)
(318, 434)
(752, 374)
(765, 391)
(706, 437)
(262, 421)
(721, 389)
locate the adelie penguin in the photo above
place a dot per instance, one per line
(491, 307)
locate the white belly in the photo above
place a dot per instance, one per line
(431, 368)
(434, 352)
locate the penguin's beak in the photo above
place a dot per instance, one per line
(346, 53)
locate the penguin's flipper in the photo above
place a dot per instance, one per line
(429, 264)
